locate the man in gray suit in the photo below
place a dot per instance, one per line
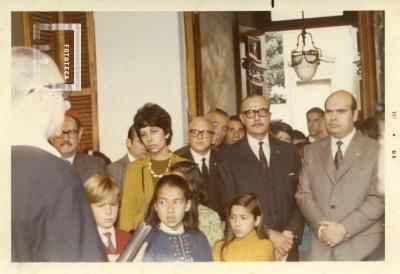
(337, 192)
(67, 143)
(136, 150)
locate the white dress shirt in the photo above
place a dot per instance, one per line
(346, 142)
(255, 147)
(104, 238)
(70, 159)
(198, 159)
(131, 158)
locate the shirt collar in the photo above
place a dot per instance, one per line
(102, 230)
(254, 142)
(255, 147)
(198, 159)
(131, 157)
(346, 142)
(169, 230)
(70, 159)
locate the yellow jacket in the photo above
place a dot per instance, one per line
(133, 202)
(250, 248)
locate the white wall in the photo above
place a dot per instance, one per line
(140, 58)
(338, 44)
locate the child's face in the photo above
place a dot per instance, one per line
(171, 206)
(105, 212)
(242, 221)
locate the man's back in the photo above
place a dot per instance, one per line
(51, 217)
(88, 166)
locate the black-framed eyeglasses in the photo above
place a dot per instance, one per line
(251, 113)
(72, 133)
(204, 132)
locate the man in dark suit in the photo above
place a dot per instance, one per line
(136, 150)
(268, 167)
(199, 150)
(338, 192)
(67, 143)
(51, 219)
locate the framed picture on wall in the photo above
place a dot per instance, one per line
(254, 46)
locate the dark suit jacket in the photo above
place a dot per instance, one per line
(88, 166)
(241, 172)
(117, 169)
(211, 183)
(51, 216)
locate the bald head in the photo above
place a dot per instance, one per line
(31, 69)
(34, 99)
(201, 120)
(340, 113)
(344, 95)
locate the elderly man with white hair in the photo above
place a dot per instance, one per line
(51, 217)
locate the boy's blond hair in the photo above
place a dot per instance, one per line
(99, 188)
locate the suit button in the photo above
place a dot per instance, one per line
(333, 206)
(269, 214)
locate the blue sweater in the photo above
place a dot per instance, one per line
(186, 247)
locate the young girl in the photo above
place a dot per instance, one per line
(209, 221)
(153, 127)
(245, 237)
(172, 214)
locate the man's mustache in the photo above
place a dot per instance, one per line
(66, 143)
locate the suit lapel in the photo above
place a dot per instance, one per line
(251, 161)
(327, 159)
(188, 154)
(274, 157)
(353, 151)
(213, 161)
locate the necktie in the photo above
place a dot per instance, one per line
(338, 155)
(204, 169)
(110, 247)
(263, 159)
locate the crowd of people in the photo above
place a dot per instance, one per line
(242, 189)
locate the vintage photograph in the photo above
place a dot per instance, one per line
(198, 136)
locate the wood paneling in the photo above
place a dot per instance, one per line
(367, 54)
(85, 100)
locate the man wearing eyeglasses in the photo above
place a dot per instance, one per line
(51, 220)
(200, 137)
(269, 167)
(67, 143)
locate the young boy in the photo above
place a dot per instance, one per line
(104, 195)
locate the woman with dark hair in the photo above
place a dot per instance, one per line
(153, 127)
(245, 235)
(282, 131)
(173, 216)
(209, 221)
